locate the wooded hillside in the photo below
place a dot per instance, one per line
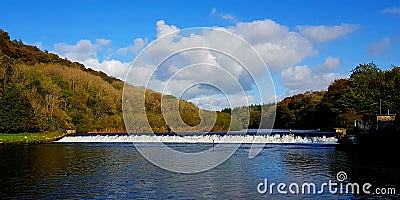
(39, 91)
(367, 92)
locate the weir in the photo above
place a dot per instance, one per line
(228, 139)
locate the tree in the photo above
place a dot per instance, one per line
(16, 113)
(367, 82)
(6, 70)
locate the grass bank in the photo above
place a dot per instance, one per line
(29, 138)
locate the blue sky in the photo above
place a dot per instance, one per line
(107, 35)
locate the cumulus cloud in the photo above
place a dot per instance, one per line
(279, 47)
(326, 33)
(229, 17)
(82, 50)
(103, 42)
(164, 29)
(138, 45)
(233, 68)
(394, 10)
(299, 79)
(85, 52)
(330, 65)
(111, 67)
(379, 47)
(217, 102)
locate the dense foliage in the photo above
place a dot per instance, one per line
(346, 100)
(254, 116)
(40, 91)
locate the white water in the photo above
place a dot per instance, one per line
(232, 139)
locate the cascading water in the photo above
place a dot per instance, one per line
(271, 139)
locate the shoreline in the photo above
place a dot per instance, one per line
(30, 138)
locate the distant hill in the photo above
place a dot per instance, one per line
(39, 91)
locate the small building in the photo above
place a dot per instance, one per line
(385, 121)
(377, 122)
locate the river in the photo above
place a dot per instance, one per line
(114, 169)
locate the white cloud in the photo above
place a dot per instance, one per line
(330, 65)
(82, 50)
(279, 47)
(218, 102)
(327, 33)
(85, 52)
(379, 47)
(164, 29)
(299, 79)
(39, 45)
(103, 42)
(229, 17)
(142, 74)
(225, 16)
(181, 71)
(111, 67)
(394, 10)
(138, 45)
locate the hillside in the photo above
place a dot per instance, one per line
(39, 91)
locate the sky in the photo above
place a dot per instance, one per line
(304, 44)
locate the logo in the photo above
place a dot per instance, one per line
(343, 186)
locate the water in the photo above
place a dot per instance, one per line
(247, 139)
(107, 169)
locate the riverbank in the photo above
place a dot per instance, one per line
(30, 138)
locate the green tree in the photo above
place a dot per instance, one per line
(16, 113)
(366, 80)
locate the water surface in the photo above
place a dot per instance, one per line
(117, 170)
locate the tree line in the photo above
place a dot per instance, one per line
(367, 92)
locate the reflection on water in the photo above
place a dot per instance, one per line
(117, 170)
